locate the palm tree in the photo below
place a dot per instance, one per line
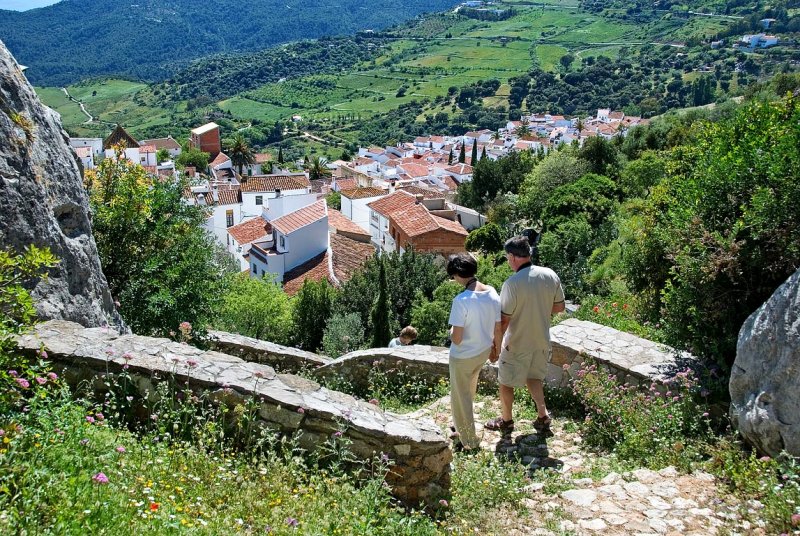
(318, 168)
(523, 130)
(240, 153)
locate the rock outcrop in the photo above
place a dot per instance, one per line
(764, 384)
(44, 203)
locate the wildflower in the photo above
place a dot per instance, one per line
(374, 401)
(110, 351)
(614, 304)
(596, 308)
(40, 380)
(764, 459)
(624, 305)
(52, 375)
(795, 520)
(301, 410)
(127, 356)
(191, 362)
(337, 433)
(258, 374)
(43, 354)
(121, 449)
(100, 478)
(100, 416)
(565, 366)
(705, 414)
(384, 457)
(154, 506)
(23, 383)
(268, 530)
(2, 432)
(13, 373)
(443, 503)
(292, 522)
(675, 398)
(90, 419)
(84, 442)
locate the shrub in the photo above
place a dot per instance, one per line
(486, 239)
(343, 334)
(256, 308)
(618, 312)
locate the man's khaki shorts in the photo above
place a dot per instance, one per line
(516, 368)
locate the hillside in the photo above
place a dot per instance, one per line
(450, 72)
(151, 39)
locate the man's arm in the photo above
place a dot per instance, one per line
(558, 307)
(505, 320)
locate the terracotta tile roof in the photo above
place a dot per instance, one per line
(270, 183)
(229, 197)
(262, 158)
(83, 152)
(415, 220)
(348, 256)
(415, 170)
(147, 149)
(250, 231)
(162, 143)
(426, 193)
(300, 218)
(315, 269)
(450, 182)
(120, 136)
(340, 222)
(391, 203)
(220, 159)
(346, 184)
(460, 169)
(362, 193)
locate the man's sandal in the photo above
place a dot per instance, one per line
(499, 425)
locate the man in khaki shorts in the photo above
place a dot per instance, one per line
(528, 299)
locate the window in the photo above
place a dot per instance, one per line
(374, 217)
(283, 243)
(259, 200)
(255, 269)
(229, 218)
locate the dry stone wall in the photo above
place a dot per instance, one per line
(287, 403)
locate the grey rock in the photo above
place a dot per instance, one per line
(765, 400)
(579, 497)
(44, 203)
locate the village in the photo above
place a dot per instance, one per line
(277, 224)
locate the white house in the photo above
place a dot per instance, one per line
(256, 190)
(225, 206)
(86, 155)
(379, 212)
(172, 146)
(95, 144)
(242, 237)
(296, 238)
(355, 201)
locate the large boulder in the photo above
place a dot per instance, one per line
(765, 380)
(44, 203)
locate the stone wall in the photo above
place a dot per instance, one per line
(281, 358)
(288, 403)
(44, 203)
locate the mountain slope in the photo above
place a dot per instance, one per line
(150, 39)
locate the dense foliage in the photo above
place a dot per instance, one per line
(161, 265)
(256, 308)
(69, 41)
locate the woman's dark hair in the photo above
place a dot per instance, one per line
(462, 264)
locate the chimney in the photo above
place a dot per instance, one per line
(419, 197)
(391, 187)
(201, 199)
(277, 192)
(190, 171)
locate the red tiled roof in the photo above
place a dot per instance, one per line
(83, 152)
(426, 193)
(460, 169)
(315, 269)
(147, 149)
(415, 170)
(229, 197)
(262, 158)
(348, 256)
(391, 203)
(362, 193)
(450, 182)
(415, 220)
(250, 231)
(270, 183)
(220, 159)
(346, 184)
(162, 143)
(300, 218)
(340, 222)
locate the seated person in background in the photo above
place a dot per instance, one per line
(407, 336)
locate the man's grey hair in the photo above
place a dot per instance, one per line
(518, 246)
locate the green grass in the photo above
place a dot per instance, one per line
(246, 109)
(549, 56)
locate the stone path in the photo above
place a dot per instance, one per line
(636, 502)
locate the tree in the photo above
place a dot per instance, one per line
(280, 155)
(256, 308)
(557, 168)
(483, 153)
(486, 239)
(161, 264)
(343, 334)
(162, 155)
(312, 307)
(318, 168)
(334, 200)
(601, 155)
(462, 156)
(430, 316)
(474, 155)
(379, 315)
(450, 157)
(191, 156)
(566, 60)
(240, 153)
(524, 130)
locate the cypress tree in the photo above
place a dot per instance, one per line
(483, 153)
(280, 155)
(450, 157)
(462, 156)
(379, 316)
(474, 159)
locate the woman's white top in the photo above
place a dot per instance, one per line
(477, 313)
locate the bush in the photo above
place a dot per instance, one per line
(256, 308)
(343, 334)
(486, 239)
(312, 308)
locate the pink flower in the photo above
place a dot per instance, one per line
(100, 478)
(191, 362)
(374, 401)
(705, 414)
(337, 434)
(13, 373)
(23, 383)
(795, 520)
(43, 354)
(121, 449)
(443, 503)
(52, 375)
(292, 522)
(2, 432)
(301, 410)
(596, 308)
(258, 374)
(90, 419)
(127, 356)
(100, 416)
(40, 380)
(110, 351)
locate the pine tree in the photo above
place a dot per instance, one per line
(483, 153)
(379, 316)
(280, 155)
(450, 158)
(462, 156)
(474, 159)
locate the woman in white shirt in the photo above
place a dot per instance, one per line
(476, 337)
